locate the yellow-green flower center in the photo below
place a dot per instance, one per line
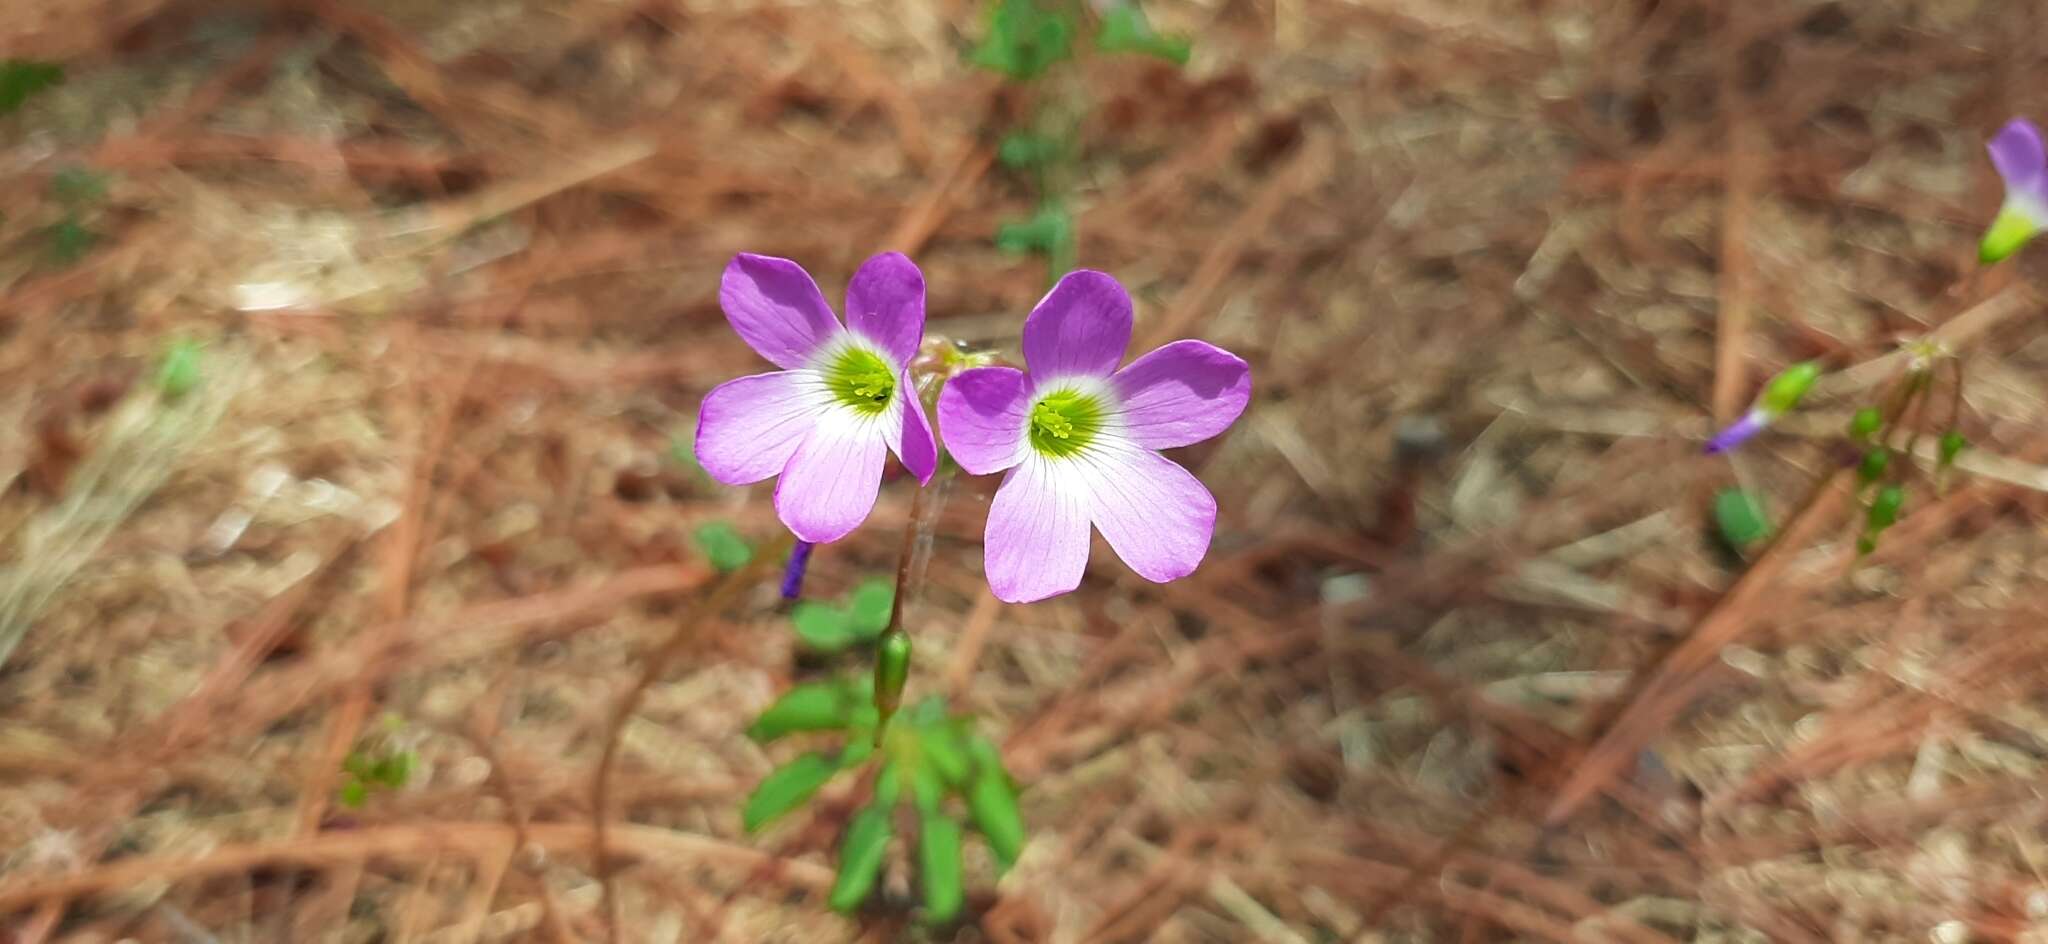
(1064, 423)
(861, 380)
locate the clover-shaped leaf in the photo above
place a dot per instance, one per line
(724, 546)
(1125, 29)
(1741, 518)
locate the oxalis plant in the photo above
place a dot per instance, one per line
(1028, 42)
(1923, 400)
(1076, 436)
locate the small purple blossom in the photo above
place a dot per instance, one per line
(2018, 155)
(1739, 432)
(1078, 442)
(793, 573)
(842, 401)
(1779, 396)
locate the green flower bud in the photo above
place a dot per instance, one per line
(1785, 390)
(1884, 509)
(892, 668)
(1874, 463)
(1952, 445)
(1865, 424)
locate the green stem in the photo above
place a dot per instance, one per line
(892, 653)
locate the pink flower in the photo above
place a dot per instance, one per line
(1078, 442)
(842, 400)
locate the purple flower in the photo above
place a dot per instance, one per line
(2017, 154)
(842, 400)
(1739, 432)
(793, 572)
(1078, 442)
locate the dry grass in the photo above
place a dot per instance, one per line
(454, 266)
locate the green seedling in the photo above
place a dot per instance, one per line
(1125, 29)
(1740, 517)
(1024, 38)
(366, 771)
(22, 78)
(827, 627)
(950, 775)
(723, 545)
(179, 371)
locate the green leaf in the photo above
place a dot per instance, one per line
(77, 186)
(1952, 445)
(938, 866)
(993, 805)
(822, 626)
(889, 784)
(1884, 508)
(1047, 231)
(723, 545)
(945, 751)
(1022, 149)
(869, 612)
(856, 752)
(179, 371)
(354, 793)
(394, 770)
(786, 788)
(926, 789)
(1125, 29)
(1741, 518)
(70, 240)
(813, 706)
(21, 78)
(865, 717)
(860, 857)
(1023, 39)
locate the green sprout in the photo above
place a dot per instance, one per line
(78, 190)
(1125, 29)
(378, 764)
(829, 628)
(1024, 38)
(21, 78)
(723, 544)
(1740, 516)
(178, 373)
(951, 775)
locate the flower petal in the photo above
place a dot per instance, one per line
(1036, 542)
(776, 308)
(1182, 393)
(2018, 155)
(982, 415)
(1156, 515)
(913, 443)
(748, 427)
(1080, 327)
(885, 304)
(830, 484)
(1738, 432)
